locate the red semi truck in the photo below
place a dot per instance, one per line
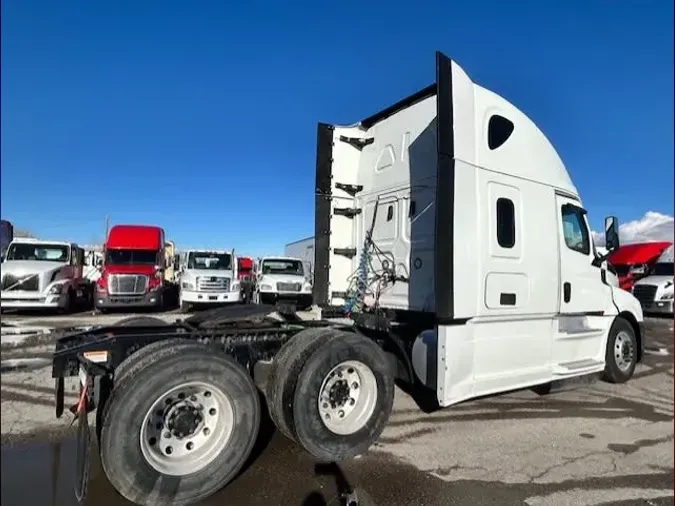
(634, 261)
(245, 277)
(133, 269)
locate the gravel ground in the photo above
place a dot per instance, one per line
(600, 444)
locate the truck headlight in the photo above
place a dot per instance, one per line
(185, 285)
(267, 288)
(667, 296)
(235, 287)
(307, 287)
(55, 290)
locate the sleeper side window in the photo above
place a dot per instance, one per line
(506, 223)
(575, 230)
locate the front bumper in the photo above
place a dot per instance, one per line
(194, 297)
(31, 300)
(147, 300)
(658, 307)
(298, 298)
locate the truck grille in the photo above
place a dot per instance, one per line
(289, 287)
(124, 284)
(644, 293)
(10, 282)
(213, 284)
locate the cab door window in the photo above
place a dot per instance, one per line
(575, 231)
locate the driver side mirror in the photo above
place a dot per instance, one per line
(611, 233)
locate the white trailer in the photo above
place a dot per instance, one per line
(304, 251)
(449, 230)
(44, 275)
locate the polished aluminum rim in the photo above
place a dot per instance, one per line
(624, 351)
(347, 397)
(186, 428)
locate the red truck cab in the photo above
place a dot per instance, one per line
(132, 272)
(245, 277)
(634, 261)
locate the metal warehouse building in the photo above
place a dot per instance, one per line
(304, 250)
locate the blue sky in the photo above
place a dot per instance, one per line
(201, 117)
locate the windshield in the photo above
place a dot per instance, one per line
(130, 257)
(282, 267)
(663, 269)
(210, 261)
(46, 252)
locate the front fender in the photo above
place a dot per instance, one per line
(630, 310)
(627, 303)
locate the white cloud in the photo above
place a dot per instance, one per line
(652, 226)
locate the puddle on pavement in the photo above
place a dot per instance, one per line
(43, 473)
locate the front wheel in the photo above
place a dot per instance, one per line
(621, 352)
(188, 418)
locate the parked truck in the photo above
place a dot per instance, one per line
(208, 277)
(246, 277)
(632, 262)
(134, 269)
(655, 292)
(6, 236)
(448, 229)
(282, 280)
(44, 275)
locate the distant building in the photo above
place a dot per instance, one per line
(303, 250)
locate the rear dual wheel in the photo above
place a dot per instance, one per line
(331, 391)
(179, 425)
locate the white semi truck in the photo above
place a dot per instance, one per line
(44, 275)
(448, 229)
(655, 292)
(207, 277)
(282, 280)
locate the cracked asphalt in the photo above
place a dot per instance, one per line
(599, 444)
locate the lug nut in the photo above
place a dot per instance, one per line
(352, 401)
(355, 385)
(169, 450)
(325, 405)
(207, 394)
(193, 398)
(350, 370)
(190, 445)
(212, 411)
(341, 414)
(206, 431)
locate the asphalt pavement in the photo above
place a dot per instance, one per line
(600, 444)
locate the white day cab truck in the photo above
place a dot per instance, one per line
(44, 275)
(207, 277)
(282, 281)
(448, 229)
(655, 292)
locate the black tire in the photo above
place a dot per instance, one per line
(613, 373)
(283, 375)
(137, 356)
(310, 430)
(185, 307)
(121, 457)
(141, 321)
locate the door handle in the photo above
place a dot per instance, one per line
(567, 291)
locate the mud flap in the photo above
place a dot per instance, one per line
(83, 451)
